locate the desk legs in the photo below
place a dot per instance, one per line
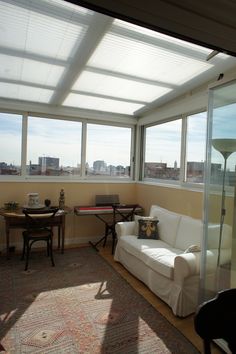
(63, 233)
(109, 230)
(7, 239)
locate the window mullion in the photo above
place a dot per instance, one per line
(183, 151)
(24, 145)
(83, 150)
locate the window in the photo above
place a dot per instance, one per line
(108, 151)
(195, 151)
(53, 147)
(10, 144)
(162, 151)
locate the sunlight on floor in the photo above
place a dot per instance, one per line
(184, 325)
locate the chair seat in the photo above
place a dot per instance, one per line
(39, 228)
(36, 233)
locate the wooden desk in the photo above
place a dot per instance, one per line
(15, 219)
(100, 211)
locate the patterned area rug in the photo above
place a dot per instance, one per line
(82, 305)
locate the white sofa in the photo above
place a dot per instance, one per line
(165, 265)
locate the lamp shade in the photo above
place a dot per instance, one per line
(225, 146)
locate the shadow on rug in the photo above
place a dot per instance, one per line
(82, 305)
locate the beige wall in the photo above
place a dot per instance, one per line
(175, 199)
(78, 229)
(81, 229)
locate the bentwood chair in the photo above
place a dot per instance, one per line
(38, 228)
(121, 212)
(216, 318)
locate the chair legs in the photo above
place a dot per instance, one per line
(207, 346)
(27, 244)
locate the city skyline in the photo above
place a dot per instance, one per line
(49, 136)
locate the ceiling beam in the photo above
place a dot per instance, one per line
(44, 110)
(98, 26)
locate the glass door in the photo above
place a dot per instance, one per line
(218, 268)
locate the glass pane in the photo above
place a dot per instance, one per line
(219, 261)
(108, 151)
(54, 147)
(162, 152)
(196, 147)
(10, 144)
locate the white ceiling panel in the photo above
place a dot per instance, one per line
(132, 57)
(119, 87)
(61, 54)
(25, 93)
(30, 71)
(38, 33)
(101, 104)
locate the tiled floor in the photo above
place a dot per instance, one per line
(185, 325)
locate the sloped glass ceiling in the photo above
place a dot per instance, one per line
(60, 54)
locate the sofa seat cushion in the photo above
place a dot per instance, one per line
(156, 254)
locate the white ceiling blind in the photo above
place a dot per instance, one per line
(61, 54)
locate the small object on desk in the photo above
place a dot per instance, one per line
(11, 205)
(33, 200)
(47, 202)
(38, 206)
(62, 199)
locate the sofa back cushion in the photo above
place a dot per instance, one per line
(213, 235)
(190, 232)
(168, 223)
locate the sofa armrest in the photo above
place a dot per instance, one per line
(188, 264)
(124, 228)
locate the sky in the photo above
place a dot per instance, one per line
(60, 138)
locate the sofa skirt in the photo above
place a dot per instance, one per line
(182, 298)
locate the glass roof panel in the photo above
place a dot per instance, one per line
(52, 49)
(40, 33)
(31, 71)
(157, 35)
(26, 93)
(101, 104)
(118, 87)
(148, 61)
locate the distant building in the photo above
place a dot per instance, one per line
(6, 169)
(160, 170)
(99, 166)
(48, 163)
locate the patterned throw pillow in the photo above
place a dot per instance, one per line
(139, 217)
(148, 229)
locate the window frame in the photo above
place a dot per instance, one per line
(82, 177)
(182, 182)
(158, 180)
